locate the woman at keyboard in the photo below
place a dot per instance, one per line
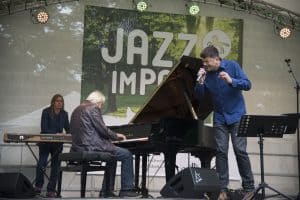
(54, 120)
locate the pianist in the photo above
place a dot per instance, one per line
(225, 80)
(89, 133)
(54, 120)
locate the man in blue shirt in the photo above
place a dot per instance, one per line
(224, 80)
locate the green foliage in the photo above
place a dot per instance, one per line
(234, 29)
(100, 30)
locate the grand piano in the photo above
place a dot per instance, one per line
(171, 121)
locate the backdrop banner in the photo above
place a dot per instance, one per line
(127, 54)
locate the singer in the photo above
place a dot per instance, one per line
(225, 80)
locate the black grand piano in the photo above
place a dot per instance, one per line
(171, 121)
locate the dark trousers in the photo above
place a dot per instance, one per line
(239, 144)
(44, 150)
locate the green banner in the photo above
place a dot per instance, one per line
(126, 53)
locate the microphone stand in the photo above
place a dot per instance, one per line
(297, 87)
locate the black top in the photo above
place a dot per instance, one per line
(54, 123)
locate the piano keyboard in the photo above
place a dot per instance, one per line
(143, 139)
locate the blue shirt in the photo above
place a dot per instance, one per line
(228, 101)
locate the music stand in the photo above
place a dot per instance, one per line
(266, 126)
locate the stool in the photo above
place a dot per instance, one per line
(84, 162)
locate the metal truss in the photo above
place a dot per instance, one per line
(280, 16)
(8, 7)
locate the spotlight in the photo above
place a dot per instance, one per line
(193, 8)
(285, 32)
(39, 15)
(140, 5)
(42, 17)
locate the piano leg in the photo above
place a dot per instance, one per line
(205, 162)
(143, 189)
(137, 171)
(205, 159)
(170, 161)
(144, 171)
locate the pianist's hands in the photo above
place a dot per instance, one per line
(121, 136)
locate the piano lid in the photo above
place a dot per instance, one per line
(174, 97)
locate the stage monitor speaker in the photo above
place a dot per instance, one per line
(15, 185)
(192, 182)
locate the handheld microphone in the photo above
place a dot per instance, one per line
(201, 77)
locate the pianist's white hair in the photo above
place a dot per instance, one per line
(96, 97)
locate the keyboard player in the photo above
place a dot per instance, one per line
(54, 120)
(89, 133)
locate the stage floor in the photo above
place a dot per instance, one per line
(153, 196)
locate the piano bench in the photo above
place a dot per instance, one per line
(84, 162)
